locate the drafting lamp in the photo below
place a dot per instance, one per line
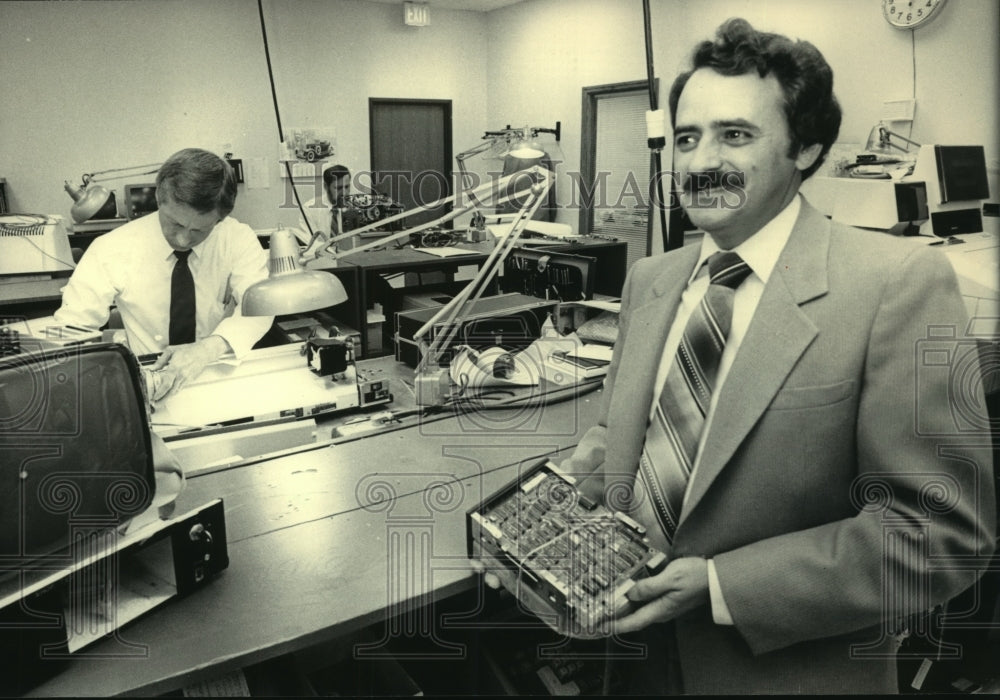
(520, 147)
(492, 190)
(93, 201)
(289, 287)
(880, 140)
(286, 292)
(432, 383)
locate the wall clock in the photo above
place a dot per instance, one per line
(910, 14)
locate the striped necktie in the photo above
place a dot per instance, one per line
(678, 419)
(182, 301)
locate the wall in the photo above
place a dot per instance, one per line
(96, 85)
(91, 86)
(578, 43)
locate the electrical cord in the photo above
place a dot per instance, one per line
(277, 117)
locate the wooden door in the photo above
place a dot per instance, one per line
(411, 154)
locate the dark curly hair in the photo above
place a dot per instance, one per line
(806, 80)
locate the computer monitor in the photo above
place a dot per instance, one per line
(957, 184)
(34, 244)
(75, 449)
(961, 173)
(140, 200)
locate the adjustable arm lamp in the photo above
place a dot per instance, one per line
(520, 143)
(92, 201)
(432, 383)
(495, 195)
(880, 140)
(291, 289)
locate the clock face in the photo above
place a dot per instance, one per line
(908, 14)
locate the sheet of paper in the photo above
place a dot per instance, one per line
(447, 251)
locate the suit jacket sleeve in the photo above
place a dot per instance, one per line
(923, 494)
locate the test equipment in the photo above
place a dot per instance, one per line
(34, 244)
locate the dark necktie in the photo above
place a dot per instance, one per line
(334, 221)
(182, 304)
(675, 429)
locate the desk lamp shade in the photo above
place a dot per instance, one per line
(95, 202)
(529, 151)
(289, 288)
(522, 157)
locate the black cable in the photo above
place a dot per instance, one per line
(277, 115)
(647, 26)
(669, 241)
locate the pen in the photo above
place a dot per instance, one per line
(77, 328)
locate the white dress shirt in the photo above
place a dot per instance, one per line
(760, 252)
(321, 214)
(131, 267)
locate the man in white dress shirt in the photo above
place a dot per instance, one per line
(133, 268)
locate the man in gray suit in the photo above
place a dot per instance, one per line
(827, 465)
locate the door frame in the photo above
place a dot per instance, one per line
(588, 146)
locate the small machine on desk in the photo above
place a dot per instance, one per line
(33, 246)
(939, 192)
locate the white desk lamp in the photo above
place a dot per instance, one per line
(290, 288)
(93, 201)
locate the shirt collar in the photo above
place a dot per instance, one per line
(167, 252)
(762, 249)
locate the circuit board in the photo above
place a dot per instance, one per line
(560, 548)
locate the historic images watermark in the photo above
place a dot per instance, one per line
(606, 190)
(953, 368)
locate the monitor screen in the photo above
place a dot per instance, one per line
(69, 469)
(140, 200)
(962, 173)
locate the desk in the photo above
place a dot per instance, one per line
(32, 298)
(317, 542)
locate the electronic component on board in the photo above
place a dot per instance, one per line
(575, 556)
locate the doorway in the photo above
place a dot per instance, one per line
(615, 167)
(410, 143)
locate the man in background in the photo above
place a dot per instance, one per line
(329, 214)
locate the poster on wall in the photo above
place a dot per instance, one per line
(306, 150)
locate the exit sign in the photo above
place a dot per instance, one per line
(416, 14)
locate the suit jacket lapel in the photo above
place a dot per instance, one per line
(778, 335)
